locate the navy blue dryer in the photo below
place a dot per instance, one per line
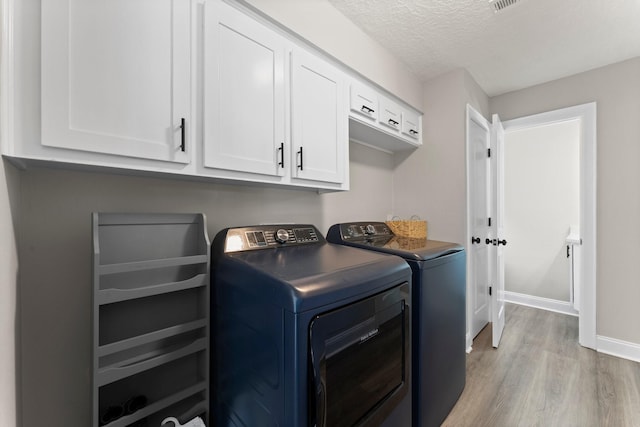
(439, 313)
(307, 333)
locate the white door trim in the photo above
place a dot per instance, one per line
(586, 113)
(475, 116)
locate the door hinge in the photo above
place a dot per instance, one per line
(489, 221)
(488, 152)
(489, 290)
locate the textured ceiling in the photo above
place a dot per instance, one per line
(530, 42)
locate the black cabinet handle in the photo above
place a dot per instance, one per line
(300, 166)
(568, 251)
(487, 241)
(475, 240)
(413, 132)
(183, 128)
(502, 242)
(367, 109)
(393, 122)
(281, 149)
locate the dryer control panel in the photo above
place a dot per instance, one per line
(270, 236)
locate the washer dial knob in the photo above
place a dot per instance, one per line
(282, 235)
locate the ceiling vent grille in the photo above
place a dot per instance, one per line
(500, 5)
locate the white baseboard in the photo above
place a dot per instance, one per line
(469, 342)
(611, 346)
(618, 348)
(563, 307)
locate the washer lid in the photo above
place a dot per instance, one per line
(409, 248)
(377, 236)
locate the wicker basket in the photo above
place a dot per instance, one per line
(414, 227)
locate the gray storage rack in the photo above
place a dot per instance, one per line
(150, 317)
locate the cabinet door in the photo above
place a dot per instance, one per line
(319, 115)
(390, 114)
(116, 76)
(364, 101)
(244, 117)
(411, 125)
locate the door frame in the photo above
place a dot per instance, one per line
(586, 113)
(473, 114)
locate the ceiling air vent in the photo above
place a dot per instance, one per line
(500, 5)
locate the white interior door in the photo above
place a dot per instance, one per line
(478, 187)
(497, 165)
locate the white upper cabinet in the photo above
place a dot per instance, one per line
(390, 114)
(364, 101)
(244, 97)
(319, 118)
(378, 121)
(116, 77)
(411, 125)
(196, 88)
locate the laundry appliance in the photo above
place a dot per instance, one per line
(308, 333)
(439, 307)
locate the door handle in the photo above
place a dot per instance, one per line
(183, 130)
(281, 150)
(496, 242)
(300, 166)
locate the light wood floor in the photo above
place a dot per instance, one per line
(541, 376)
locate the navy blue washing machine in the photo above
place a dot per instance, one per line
(439, 313)
(308, 333)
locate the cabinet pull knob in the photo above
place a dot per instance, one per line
(393, 122)
(367, 109)
(413, 132)
(183, 128)
(300, 166)
(475, 240)
(281, 149)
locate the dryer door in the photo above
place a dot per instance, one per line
(360, 357)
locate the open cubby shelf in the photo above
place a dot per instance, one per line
(108, 296)
(151, 315)
(155, 407)
(146, 361)
(125, 267)
(158, 335)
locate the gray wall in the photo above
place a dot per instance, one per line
(616, 89)
(9, 214)
(431, 182)
(55, 257)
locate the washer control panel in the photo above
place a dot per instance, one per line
(364, 230)
(270, 236)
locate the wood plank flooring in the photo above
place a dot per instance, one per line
(541, 376)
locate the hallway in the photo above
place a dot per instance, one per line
(541, 376)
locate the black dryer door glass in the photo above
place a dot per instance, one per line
(359, 358)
